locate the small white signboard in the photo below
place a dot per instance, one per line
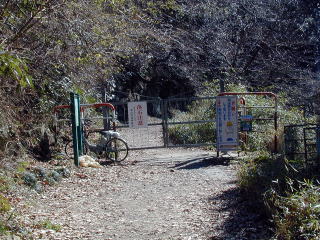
(227, 123)
(137, 114)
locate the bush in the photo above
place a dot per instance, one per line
(194, 133)
(259, 174)
(30, 179)
(298, 215)
(277, 191)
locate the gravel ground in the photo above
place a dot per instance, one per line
(157, 194)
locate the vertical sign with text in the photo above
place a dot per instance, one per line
(137, 114)
(227, 123)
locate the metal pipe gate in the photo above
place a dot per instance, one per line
(165, 117)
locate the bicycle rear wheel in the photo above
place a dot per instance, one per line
(116, 150)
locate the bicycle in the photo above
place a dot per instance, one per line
(109, 143)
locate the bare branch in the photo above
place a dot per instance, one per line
(2, 9)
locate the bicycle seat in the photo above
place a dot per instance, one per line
(110, 133)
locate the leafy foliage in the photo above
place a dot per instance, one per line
(276, 189)
(298, 214)
(259, 174)
(193, 133)
(13, 66)
(5, 205)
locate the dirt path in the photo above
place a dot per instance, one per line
(159, 194)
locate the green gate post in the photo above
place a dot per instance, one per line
(76, 127)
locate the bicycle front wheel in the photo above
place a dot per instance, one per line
(116, 150)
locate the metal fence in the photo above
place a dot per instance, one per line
(170, 122)
(302, 143)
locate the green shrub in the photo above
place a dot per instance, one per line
(22, 166)
(30, 179)
(259, 174)
(12, 65)
(193, 133)
(4, 204)
(40, 172)
(55, 176)
(298, 215)
(64, 172)
(275, 188)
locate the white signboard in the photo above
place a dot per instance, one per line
(137, 114)
(227, 123)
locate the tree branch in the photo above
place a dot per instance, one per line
(28, 24)
(6, 5)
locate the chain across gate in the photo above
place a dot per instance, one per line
(168, 122)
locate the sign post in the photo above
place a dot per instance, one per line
(76, 127)
(227, 123)
(137, 114)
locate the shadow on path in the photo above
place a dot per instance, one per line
(242, 221)
(203, 162)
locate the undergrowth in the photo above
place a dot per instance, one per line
(297, 215)
(17, 180)
(193, 133)
(283, 193)
(258, 174)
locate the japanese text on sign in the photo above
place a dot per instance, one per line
(227, 123)
(137, 114)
